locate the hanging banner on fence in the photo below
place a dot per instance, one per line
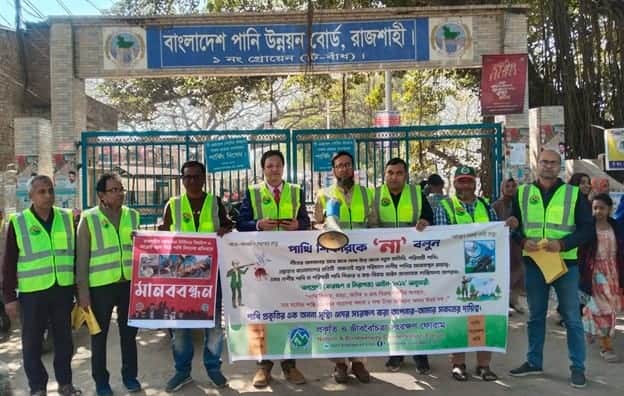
(388, 292)
(174, 279)
(614, 143)
(503, 82)
(324, 150)
(65, 179)
(227, 155)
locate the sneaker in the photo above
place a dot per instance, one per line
(524, 370)
(394, 363)
(69, 390)
(359, 370)
(422, 364)
(340, 373)
(293, 375)
(177, 382)
(132, 385)
(577, 379)
(103, 390)
(217, 378)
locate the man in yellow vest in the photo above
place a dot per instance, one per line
(466, 208)
(270, 206)
(556, 212)
(355, 201)
(38, 280)
(197, 211)
(398, 204)
(103, 274)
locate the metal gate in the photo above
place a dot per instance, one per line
(375, 146)
(149, 162)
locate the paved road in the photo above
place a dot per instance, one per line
(155, 364)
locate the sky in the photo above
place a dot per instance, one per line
(50, 7)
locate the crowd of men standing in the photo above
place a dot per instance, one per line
(46, 258)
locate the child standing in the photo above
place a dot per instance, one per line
(602, 277)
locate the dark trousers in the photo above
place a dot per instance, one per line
(103, 300)
(51, 306)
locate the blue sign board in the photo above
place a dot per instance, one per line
(227, 155)
(333, 43)
(323, 151)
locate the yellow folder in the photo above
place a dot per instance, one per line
(550, 263)
(80, 316)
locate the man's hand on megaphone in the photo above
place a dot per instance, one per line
(267, 224)
(422, 224)
(289, 225)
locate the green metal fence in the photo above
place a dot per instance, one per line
(375, 146)
(149, 162)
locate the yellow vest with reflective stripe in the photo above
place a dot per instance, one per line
(354, 215)
(554, 222)
(44, 259)
(182, 219)
(408, 211)
(457, 213)
(111, 250)
(265, 207)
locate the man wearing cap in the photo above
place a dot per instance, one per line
(552, 210)
(355, 203)
(398, 204)
(466, 208)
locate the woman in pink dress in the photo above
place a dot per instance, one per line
(602, 278)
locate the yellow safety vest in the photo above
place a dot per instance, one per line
(44, 259)
(554, 222)
(408, 211)
(355, 214)
(265, 207)
(457, 213)
(111, 250)
(182, 219)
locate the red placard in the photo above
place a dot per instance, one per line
(503, 82)
(174, 279)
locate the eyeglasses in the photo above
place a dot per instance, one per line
(548, 163)
(192, 177)
(343, 166)
(116, 190)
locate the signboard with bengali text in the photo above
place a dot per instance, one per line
(388, 292)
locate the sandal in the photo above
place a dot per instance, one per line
(459, 372)
(609, 356)
(486, 374)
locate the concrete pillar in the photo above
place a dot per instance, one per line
(69, 111)
(547, 131)
(516, 126)
(33, 154)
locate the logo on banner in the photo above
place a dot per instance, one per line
(299, 337)
(450, 39)
(124, 49)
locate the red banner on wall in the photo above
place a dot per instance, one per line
(503, 82)
(174, 279)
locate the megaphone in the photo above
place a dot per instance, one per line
(332, 237)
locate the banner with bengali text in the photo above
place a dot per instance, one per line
(174, 279)
(388, 292)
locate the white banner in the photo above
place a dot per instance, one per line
(286, 297)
